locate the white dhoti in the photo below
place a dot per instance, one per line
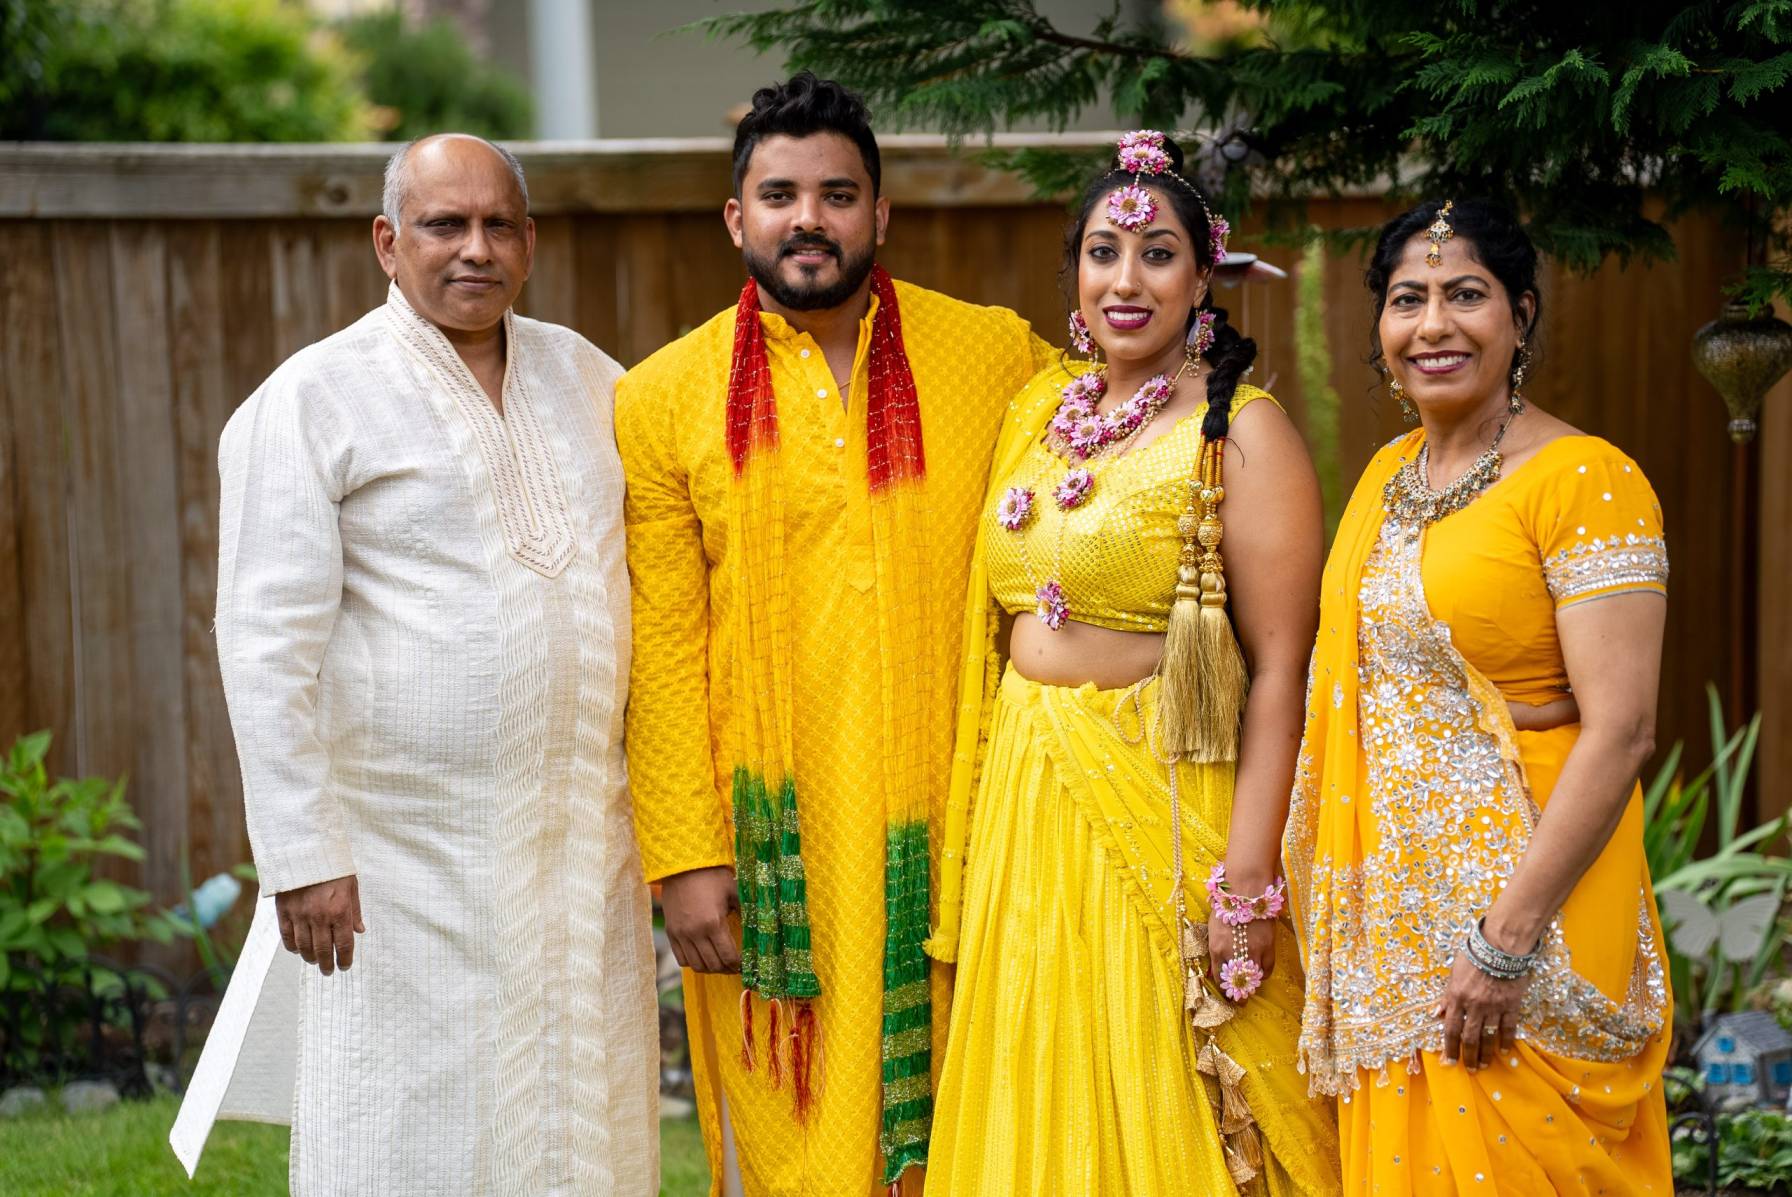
(423, 625)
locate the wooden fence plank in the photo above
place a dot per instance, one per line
(598, 307)
(96, 499)
(625, 177)
(298, 287)
(1774, 641)
(203, 401)
(552, 293)
(353, 283)
(13, 627)
(143, 406)
(31, 360)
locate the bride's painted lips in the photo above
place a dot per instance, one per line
(1126, 319)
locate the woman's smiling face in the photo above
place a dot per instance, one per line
(1448, 332)
(1136, 289)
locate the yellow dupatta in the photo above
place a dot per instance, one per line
(980, 671)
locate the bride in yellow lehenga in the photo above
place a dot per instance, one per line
(1090, 1051)
(1485, 974)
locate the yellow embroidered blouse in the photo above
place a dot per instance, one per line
(1114, 554)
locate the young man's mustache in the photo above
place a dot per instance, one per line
(799, 244)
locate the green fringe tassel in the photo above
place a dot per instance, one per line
(775, 960)
(908, 1011)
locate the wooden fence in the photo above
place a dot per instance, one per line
(145, 291)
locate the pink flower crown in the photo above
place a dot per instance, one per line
(1131, 207)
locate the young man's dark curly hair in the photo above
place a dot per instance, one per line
(802, 106)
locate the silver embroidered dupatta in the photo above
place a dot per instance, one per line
(1411, 807)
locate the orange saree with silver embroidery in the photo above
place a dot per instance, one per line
(1414, 801)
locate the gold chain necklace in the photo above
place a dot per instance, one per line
(1408, 496)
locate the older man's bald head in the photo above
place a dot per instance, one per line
(454, 151)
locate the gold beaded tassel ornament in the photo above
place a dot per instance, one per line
(1202, 680)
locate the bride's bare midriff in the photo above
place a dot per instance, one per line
(1080, 653)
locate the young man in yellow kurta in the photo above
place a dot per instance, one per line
(805, 473)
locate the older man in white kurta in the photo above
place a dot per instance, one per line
(423, 627)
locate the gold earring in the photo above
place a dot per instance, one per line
(1408, 412)
(1515, 404)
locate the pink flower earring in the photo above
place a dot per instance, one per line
(1080, 338)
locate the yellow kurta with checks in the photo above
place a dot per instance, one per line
(968, 363)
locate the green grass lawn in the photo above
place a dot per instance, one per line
(123, 1152)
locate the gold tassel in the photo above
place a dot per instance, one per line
(1202, 680)
(1235, 1111)
(1205, 1011)
(1250, 1147)
(1242, 1171)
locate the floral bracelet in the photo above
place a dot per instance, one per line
(1235, 910)
(1240, 976)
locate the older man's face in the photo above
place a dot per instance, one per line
(465, 244)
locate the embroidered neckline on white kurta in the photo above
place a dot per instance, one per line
(526, 482)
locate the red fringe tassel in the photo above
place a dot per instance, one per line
(775, 1041)
(746, 1029)
(804, 1041)
(800, 1027)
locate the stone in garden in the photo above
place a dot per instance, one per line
(16, 1101)
(676, 1107)
(84, 1097)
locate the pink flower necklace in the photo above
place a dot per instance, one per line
(1081, 434)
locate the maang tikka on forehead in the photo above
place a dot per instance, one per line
(1132, 208)
(1439, 232)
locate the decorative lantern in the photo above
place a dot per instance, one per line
(1742, 358)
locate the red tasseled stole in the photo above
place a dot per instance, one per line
(894, 454)
(893, 415)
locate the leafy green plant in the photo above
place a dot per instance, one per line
(424, 78)
(52, 836)
(1313, 364)
(174, 70)
(1720, 910)
(1754, 1153)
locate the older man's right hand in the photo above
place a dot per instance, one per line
(320, 922)
(697, 905)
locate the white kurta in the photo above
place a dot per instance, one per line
(423, 627)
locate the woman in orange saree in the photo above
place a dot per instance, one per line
(1486, 990)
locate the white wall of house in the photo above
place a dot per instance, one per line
(647, 81)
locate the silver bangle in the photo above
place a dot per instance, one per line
(1496, 962)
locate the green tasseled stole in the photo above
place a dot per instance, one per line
(777, 967)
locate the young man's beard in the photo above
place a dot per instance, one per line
(805, 296)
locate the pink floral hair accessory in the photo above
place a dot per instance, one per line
(1131, 208)
(1141, 153)
(1200, 333)
(1217, 231)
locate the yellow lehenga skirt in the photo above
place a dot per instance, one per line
(1070, 1064)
